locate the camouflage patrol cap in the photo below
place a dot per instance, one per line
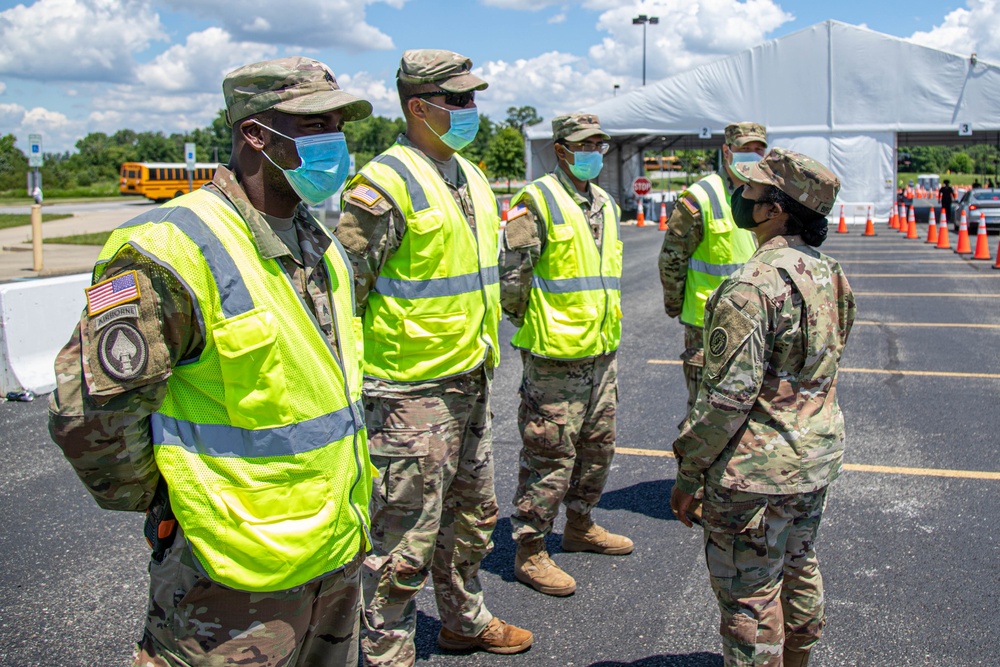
(450, 71)
(740, 134)
(577, 127)
(799, 176)
(294, 85)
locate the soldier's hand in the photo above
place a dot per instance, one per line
(679, 504)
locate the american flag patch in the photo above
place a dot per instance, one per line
(365, 195)
(112, 292)
(516, 212)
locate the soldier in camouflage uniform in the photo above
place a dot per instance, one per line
(766, 436)
(569, 390)
(689, 234)
(100, 413)
(434, 508)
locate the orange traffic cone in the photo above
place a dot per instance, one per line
(903, 224)
(504, 207)
(982, 244)
(943, 241)
(842, 227)
(869, 225)
(894, 217)
(911, 231)
(997, 265)
(640, 220)
(963, 247)
(663, 216)
(931, 228)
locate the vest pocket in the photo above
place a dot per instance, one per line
(426, 242)
(435, 330)
(256, 394)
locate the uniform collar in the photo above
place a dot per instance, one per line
(782, 241)
(269, 246)
(582, 199)
(402, 140)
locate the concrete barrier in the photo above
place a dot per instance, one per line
(36, 319)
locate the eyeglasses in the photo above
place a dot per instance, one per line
(451, 99)
(601, 147)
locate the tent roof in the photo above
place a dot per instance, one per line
(831, 77)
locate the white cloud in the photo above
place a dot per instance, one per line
(318, 24)
(689, 33)
(558, 18)
(523, 5)
(553, 83)
(382, 94)
(199, 64)
(76, 39)
(59, 132)
(3, 87)
(965, 31)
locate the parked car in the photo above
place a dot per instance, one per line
(974, 202)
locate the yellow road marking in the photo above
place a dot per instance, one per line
(848, 260)
(949, 325)
(992, 274)
(858, 467)
(877, 371)
(932, 294)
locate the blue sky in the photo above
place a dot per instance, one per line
(70, 67)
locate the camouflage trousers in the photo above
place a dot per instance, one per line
(567, 421)
(193, 621)
(764, 572)
(694, 361)
(433, 510)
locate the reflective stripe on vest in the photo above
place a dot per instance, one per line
(434, 311)
(723, 249)
(569, 315)
(261, 439)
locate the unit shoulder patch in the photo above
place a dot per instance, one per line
(731, 329)
(717, 341)
(123, 351)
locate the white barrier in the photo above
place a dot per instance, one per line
(36, 319)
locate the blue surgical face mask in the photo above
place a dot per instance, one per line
(587, 166)
(745, 157)
(463, 128)
(325, 163)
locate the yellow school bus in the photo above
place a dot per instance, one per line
(160, 181)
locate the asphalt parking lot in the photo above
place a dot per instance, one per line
(909, 545)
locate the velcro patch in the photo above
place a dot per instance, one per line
(730, 329)
(123, 351)
(114, 291)
(365, 195)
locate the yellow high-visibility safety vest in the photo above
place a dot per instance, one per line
(574, 309)
(435, 309)
(261, 440)
(723, 249)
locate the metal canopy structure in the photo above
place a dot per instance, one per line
(843, 94)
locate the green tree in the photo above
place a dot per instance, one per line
(13, 164)
(505, 155)
(961, 163)
(155, 147)
(522, 117)
(368, 137)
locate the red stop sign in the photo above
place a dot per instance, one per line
(641, 186)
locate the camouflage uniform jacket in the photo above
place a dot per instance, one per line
(104, 432)
(766, 419)
(524, 241)
(685, 232)
(371, 231)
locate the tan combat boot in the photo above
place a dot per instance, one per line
(498, 637)
(582, 534)
(793, 658)
(533, 566)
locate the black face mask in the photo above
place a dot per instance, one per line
(742, 209)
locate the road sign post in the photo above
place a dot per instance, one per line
(641, 187)
(189, 157)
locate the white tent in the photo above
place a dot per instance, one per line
(845, 95)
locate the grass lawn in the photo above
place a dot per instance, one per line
(21, 219)
(97, 238)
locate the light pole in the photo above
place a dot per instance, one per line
(643, 20)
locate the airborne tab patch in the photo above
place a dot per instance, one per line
(112, 292)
